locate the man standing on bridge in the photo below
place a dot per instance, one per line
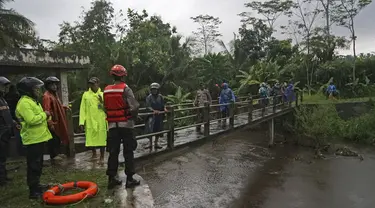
(122, 110)
(203, 95)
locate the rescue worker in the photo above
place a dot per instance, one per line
(276, 92)
(6, 124)
(289, 92)
(155, 103)
(226, 97)
(57, 124)
(34, 131)
(92, 118)
(122, 110)
(263, 94)
(331, 91)
(203, 95)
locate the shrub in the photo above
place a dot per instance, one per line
(323, 124)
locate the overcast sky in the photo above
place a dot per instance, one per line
(47, 14)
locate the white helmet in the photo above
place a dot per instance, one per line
(155, 86)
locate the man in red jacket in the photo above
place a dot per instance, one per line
(122, 110)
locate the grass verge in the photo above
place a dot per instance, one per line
(320, 99)
(15, 194)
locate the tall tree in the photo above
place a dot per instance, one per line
(207, 33)
(269, 10)
(345, 13)
(15, 29)
(306, 13)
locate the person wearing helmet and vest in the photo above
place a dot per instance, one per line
(122, 110)
(155, 103)
(34, 131)
(57, 124)
(6, 125)
(92, 118)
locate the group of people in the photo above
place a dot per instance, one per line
(225, 95)
(107, 116)
(284, 92)
(36, 123)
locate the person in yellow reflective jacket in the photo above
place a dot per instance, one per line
(92, 118)
(34, 131)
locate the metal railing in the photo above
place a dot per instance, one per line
(198, 116)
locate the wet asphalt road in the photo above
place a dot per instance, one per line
(239, 171)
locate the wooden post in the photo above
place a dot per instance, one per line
(250, 108)
(63, 89)
(274, 103)
(296, 98)
(263, 106)
(170, 121)
(71, 146)
(271, 130)
(231, 115)
(206, 118)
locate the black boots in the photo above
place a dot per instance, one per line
(113, 182)
(35, 192)
(131, 183)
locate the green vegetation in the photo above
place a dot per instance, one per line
(153, 51)
(16, 193)
(323, 124)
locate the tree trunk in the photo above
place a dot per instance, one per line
(355, 58)
(354, 51)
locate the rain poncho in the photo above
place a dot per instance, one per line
(263, 92)
(289, 93)
(331, 89)
(226, 96)
(92, 115)
(53, 104)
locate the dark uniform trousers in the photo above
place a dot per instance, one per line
(34, 160)
(116, 137)
(4, 139)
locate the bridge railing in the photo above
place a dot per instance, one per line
(185, 116)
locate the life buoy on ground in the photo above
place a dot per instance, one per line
(51, 196)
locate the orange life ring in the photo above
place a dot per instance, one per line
(51, 196)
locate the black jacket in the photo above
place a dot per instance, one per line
(6, 120)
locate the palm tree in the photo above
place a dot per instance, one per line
(238, 58)
(15, 29)
(261, 72)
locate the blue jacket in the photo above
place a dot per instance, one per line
(226, 96)
(331, 88)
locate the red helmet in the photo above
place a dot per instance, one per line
(118, 70)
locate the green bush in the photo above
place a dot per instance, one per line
(323, 124)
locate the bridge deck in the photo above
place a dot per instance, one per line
(189, 135)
